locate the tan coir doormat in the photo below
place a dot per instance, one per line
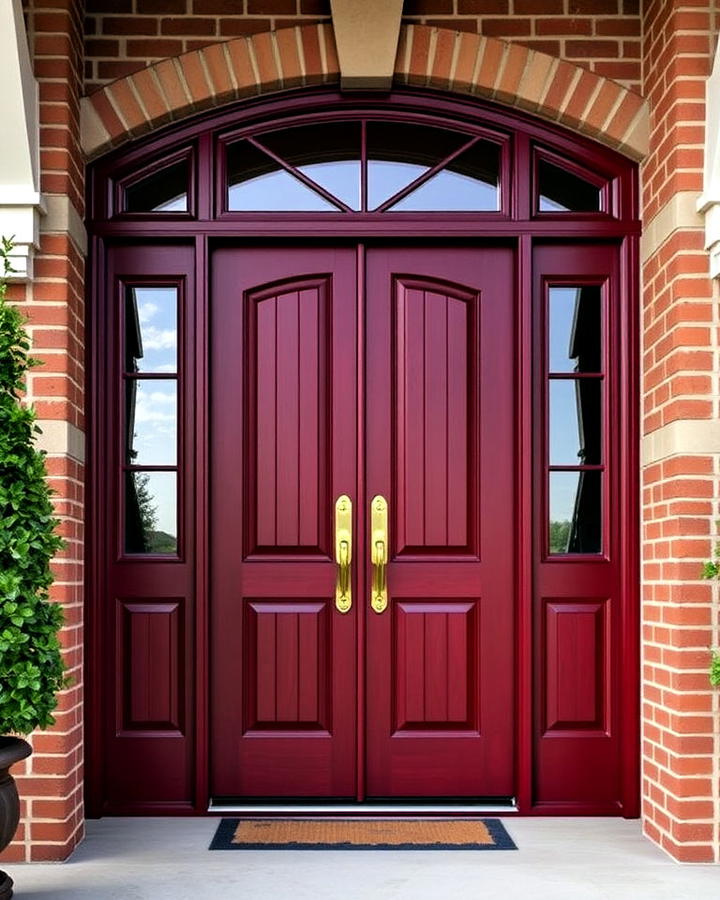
(361, 834)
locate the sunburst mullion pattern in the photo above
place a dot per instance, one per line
(426, 176)
(301, 176)
(365, 165)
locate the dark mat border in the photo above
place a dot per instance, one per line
(222, 840)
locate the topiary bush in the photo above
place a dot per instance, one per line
(31, 667)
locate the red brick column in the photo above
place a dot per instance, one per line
(51, 784)
(681, 452)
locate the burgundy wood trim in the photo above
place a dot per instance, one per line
(523, 528)
(95, 558)
(360, 524)
(630, 517)
(368, 225)
(201, 407)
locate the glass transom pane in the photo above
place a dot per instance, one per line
(329, 153)
(399, 152)
(562, 191)
(470, 182)
(256, 182)
(163, 191)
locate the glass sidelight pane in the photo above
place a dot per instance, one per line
(151, 422)
(163, 191)
(151, 329)
(562, 191)
(575, 422)
(575, 507)
(151, 512)
(575, 329)
(257, 183)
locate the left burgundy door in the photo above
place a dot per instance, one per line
(283, 448)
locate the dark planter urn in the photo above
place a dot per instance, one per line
(12, 750)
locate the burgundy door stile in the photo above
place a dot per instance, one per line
(283, 411)
(440, 421)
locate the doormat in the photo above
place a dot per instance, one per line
(361, 834)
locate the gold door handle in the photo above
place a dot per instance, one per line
(343, 553)
(379, 552)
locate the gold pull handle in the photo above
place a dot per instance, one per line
(343, 553)
(379, 552)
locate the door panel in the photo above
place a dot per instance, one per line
(436, 401)
(439, 424)
(284, 419)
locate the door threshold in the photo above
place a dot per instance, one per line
(362, 809)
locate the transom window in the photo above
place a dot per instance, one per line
(359, 166)
(364, 164)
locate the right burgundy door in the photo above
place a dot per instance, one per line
(440, 450)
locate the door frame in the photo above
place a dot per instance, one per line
(201, 236)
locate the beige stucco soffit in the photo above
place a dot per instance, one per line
(709, 202)
(20, 202)
(366, 35)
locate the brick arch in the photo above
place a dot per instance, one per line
(464, 63)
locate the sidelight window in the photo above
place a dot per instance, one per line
(150, 379)
(575, 403)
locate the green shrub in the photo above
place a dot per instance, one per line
(31, 666)
(715, 669)
(711, 571)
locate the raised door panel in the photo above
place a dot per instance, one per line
(283, 447)
(287, 666)
(435, 422)
(576, 665)
(290, 413)
(440, 448)
(434, 666)
(150, 677)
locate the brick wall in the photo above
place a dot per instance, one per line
(50, 782)
(680, 493)
(675, 38)
(123, 36)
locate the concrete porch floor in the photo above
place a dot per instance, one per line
(563, 858)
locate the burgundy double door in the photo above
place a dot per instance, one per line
(362, 372)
